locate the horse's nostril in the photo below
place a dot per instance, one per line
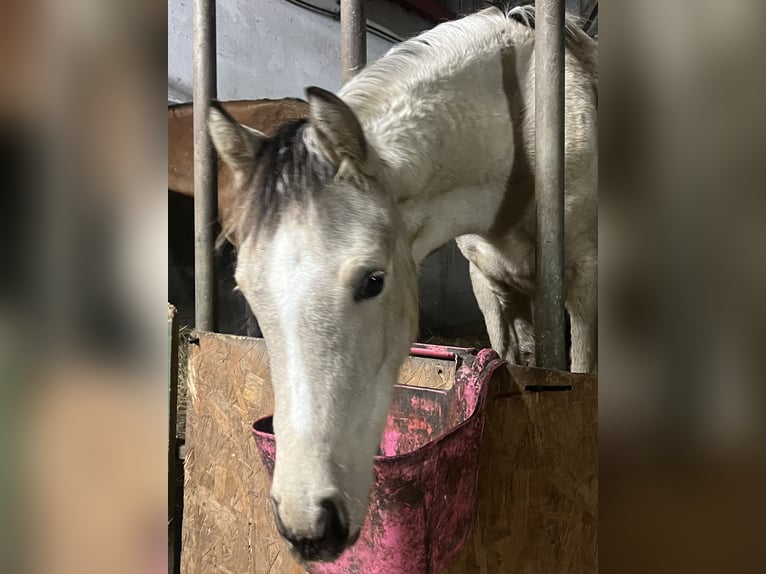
(331, 534)
(335, 529)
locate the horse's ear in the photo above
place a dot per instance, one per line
(336, 125)
(237, 145)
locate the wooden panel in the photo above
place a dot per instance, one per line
(433, 373)
(227, 524)
(538, 493)
(536, 511)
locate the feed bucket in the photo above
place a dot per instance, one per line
(425, 478)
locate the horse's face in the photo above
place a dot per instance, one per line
(324, 267)
(337, 313)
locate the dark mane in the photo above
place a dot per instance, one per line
(287, 172)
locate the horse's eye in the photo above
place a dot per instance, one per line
(371, 286)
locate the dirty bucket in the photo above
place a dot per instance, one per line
(424, 487)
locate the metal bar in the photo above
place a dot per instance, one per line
(549, 183)
(353, 38)
(439, 351)
(431, 351)
(205, 164)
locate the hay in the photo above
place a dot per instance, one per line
(183, 379)
(476, 342)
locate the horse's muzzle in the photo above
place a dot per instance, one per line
(332, 537)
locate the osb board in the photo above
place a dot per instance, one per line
(433, 373)
(227, 523)
(536, 511)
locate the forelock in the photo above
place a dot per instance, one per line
(289, 171)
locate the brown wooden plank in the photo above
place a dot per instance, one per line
(433, 373)
(537, 509)
(227, 524)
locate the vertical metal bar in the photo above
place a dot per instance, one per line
(205, 164)
(549, 183)
(353, 38)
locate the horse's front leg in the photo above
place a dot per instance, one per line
(502, 336)
(507, 312)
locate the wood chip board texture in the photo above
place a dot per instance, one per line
(537, 505)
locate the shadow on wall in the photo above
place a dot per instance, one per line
(447, 305)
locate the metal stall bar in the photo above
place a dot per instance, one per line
(549, 183)
(205, 164)
(353, 38)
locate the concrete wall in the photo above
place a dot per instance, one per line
(274, 49)
(266, 49)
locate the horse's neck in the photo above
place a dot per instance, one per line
(440, 165)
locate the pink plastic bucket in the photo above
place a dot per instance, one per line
(425, 481)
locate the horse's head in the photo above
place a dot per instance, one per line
(325, 266)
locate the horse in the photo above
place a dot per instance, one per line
(433, 141)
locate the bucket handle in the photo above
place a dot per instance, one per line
(440, 351)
